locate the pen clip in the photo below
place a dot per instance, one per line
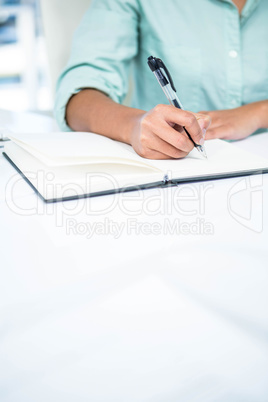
(162, 65)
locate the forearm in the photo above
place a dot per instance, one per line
(91, 110)
(156, 134)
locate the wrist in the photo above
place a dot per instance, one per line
(262, 114)
(134, 125)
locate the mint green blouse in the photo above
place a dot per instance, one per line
(218, 59)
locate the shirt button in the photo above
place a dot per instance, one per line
(233, 54)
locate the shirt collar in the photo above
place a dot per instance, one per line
(249, 7)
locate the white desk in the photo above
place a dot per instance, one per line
(88, 314)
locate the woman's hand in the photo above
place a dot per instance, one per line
(238, 123)
(159, 133)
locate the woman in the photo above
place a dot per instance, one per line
(216, 51)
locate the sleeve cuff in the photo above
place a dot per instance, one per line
(72, 83)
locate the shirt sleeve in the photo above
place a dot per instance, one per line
(103, 46)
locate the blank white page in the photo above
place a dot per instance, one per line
(75, 148)
(223, 157)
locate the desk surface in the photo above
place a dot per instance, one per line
(152, 296)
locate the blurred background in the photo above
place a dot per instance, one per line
(35, 41)
(24, 71)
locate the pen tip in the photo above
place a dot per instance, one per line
(202, 151)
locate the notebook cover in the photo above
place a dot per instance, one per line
(88, 195)
(162, 184)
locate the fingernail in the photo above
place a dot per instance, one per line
(202, 141)
(204, 132)
(203, 123)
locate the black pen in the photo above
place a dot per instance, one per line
(169, 89)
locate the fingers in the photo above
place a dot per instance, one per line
(232, 124)
(156, 144)
(178, 141)
(161, 133)
(215, 118)
(204, 120)
(211, 134)
(224, 132)
(183, 118)
(220, 126)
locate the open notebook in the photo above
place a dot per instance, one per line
(63, 166)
